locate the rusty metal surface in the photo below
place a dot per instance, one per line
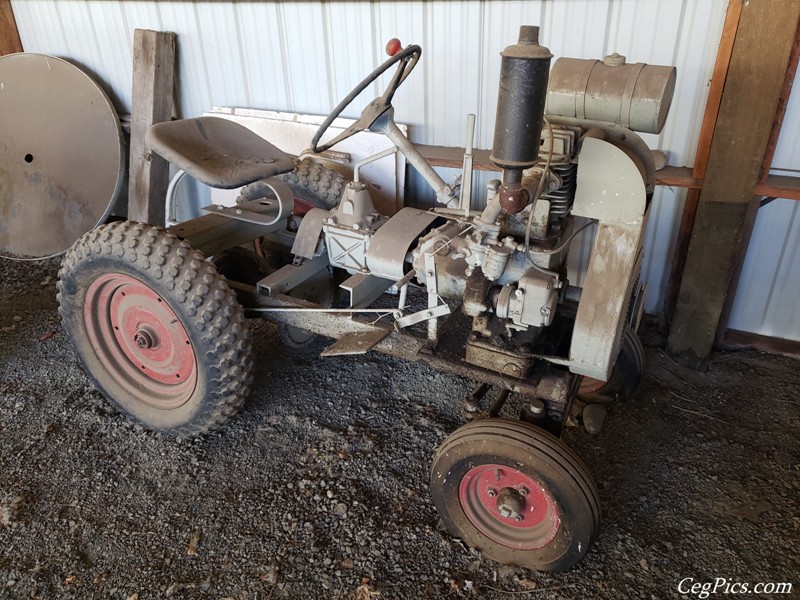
(497, 358)
(61, 154)
(356, 342)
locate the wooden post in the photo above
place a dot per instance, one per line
(756, 74)
(9, 35)
(756, 201)
(153, 81)
(713, 100)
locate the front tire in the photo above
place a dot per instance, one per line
(156, 327)
(517, 494)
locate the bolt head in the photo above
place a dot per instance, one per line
(523, 492)
(518, 518)
(492, 493)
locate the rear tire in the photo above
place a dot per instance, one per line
(315, 186)
(625, 376)
(156, 327)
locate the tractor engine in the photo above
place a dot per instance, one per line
(507, 265)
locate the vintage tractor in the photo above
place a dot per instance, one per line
(157, 316)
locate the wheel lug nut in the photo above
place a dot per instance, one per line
(492, 493)
(523, 492)
(518, 518)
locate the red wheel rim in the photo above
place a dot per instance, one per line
(509, 507)
(301, 206)
(140, 341)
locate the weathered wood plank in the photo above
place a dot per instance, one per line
(453, 157)
(734, 338)
(749, 103)
(755, 202)
(716, 87)
(783, 101)
(678, 177)
(713, 100)
(780, 186)
(9, 35)
(152, 102)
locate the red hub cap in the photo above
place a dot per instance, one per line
(140, 340)
(509, 507)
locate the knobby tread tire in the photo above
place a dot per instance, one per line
(320, 187)
(316, 183)
(191, 286)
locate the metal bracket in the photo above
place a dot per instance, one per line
(263, 211)
(307, 241)
(364, 289)
(289, 277)
(423, 315)
(434, 310)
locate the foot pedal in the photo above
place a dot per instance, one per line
(356, 342)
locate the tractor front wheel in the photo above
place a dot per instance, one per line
(517, 494)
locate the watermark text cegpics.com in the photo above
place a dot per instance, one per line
(720, 585)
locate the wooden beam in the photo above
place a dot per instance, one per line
(780, 186)
(453, 157)
(715, 89)
(783, 101)
(718, 76)
(678, 177)
(9, 35)
(756, 202)
(153, 82)
(734, 338)
(759, 61)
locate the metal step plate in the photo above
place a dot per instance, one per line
(356, 342)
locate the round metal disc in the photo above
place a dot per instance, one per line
(61, 154)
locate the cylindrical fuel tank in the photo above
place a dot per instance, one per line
(520, 101)
(636, 95)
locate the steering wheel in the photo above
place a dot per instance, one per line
(408, 59)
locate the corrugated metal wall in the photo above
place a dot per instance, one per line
(305, 56)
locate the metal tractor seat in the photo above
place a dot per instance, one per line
(217, 152)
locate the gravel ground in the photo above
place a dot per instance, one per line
(318, 489)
